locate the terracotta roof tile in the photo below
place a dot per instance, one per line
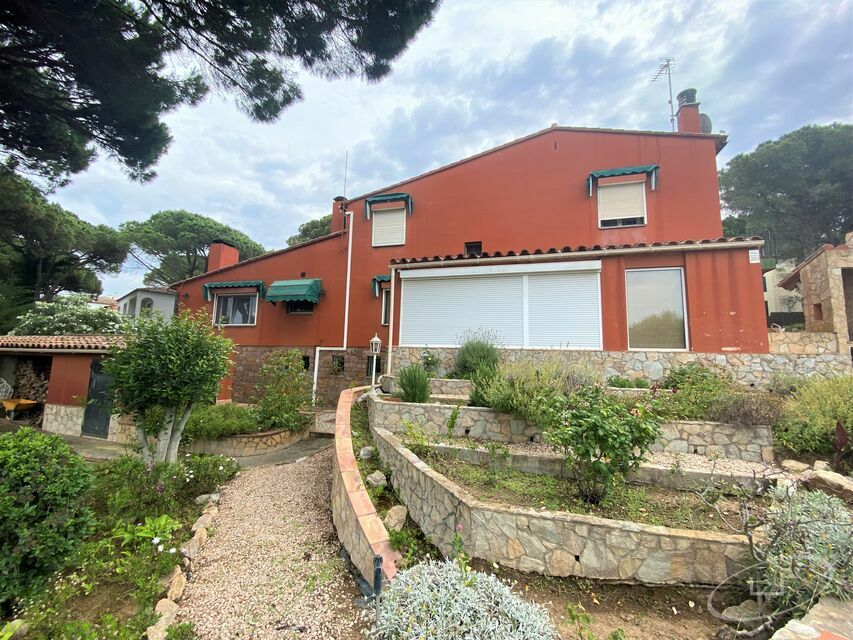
(567, 249)
(61, 343)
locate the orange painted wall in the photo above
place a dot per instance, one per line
(69, 378)
(526, 196)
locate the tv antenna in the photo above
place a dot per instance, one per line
(665, 68)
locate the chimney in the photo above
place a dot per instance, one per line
(221, 253)
(688, 112)
(339, 208)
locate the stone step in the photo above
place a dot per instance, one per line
(324, 423)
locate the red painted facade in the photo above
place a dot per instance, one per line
(529, 194)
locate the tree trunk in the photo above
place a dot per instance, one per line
(142, 441)
(164, 436)
(177, 432)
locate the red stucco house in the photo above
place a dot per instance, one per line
(602, 244)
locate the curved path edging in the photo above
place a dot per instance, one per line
(360, 529)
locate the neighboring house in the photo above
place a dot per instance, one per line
(159, 299)
(825, 282)
(590, 241)
(104, 301)
(77, 401)
(784, 308)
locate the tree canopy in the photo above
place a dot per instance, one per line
(76, 75)
(800, 186)
(173, 245)
(311, 230)
(45, 249)
(66, 315)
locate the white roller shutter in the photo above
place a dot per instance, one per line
(435, 311)
(625, 200)
(563, 310)
(389, 227)
(537, 306)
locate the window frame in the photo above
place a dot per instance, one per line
(645, 216)
(476, 254)
(686, 348)
(384, 307)
(373, 214)
(370, 357)
(334, 370)
(298, 313)
(234, 295)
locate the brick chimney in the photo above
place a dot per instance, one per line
(339, 207)
(221, 254)
(688, 112)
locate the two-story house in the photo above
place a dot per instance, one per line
(600, 243)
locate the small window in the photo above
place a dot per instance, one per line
(146, 304)
(817, 310)
(473, 249)
(385, 313)
(306, 363)
(237, 310)
(389, 227)
(370, 365)
(338, 364)
(300, 306)
(622, 204)
(656, 311)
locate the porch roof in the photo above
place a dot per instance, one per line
(60, 344)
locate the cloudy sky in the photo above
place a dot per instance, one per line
(482, 73)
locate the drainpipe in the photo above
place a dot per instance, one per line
(317, 350)
(390, 357)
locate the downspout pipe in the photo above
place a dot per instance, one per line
(317, 350)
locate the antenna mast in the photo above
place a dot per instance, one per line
(665, 68)
(346, 167)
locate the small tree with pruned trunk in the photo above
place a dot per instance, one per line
(161, 372)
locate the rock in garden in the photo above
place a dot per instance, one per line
(366, 453)
(830, 482)
(17, 627)
(725, 633)
(377, 479)
(208, 497)
(794, 466)
(176, 587)
(167, 610)
(822, 465)
(396, 517)
(203, 522)
(191, 548)
(166, 580)
(745, 614)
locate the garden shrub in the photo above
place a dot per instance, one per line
(807, 552)
(43, 515)
(286, 389)
(478, 350)
(414, 384)
(785, 384)
(443, 601)
(221, 420)
(813, 411)
(429, 361)
(480, 381)
(695, 389)
(601, 437)
(523, 388)
(623, 382)
(746, 408)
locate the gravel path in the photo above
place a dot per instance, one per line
(271, 569)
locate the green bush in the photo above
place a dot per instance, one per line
(601, 437)
(622, 382)
(695, 389)
(220, 421)
(43, 515)
(746, 408)
(429, 361)
(523, 388)
(806, 552)
(286, 389)
(811, 413)
(785, 384)
(480, 381)
(475, 353)
(445, 601)
(414, 384)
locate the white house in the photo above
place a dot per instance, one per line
(154, 299)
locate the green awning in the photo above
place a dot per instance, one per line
(651, 169)
(259, 284)
(307, 289)
(382, 277)
(389, 197)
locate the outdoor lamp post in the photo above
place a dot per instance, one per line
(375, 348)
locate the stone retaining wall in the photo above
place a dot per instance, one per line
(64, 419)
(474, 422)
(549, 464)
(359, 527)
(555, 543)
(803, 342)
(752, 369)
(437, 386)
(752, 443)
(249, 444)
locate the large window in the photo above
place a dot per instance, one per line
(236, 310)
(389, 227)
(622, 204)
(656, 310)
